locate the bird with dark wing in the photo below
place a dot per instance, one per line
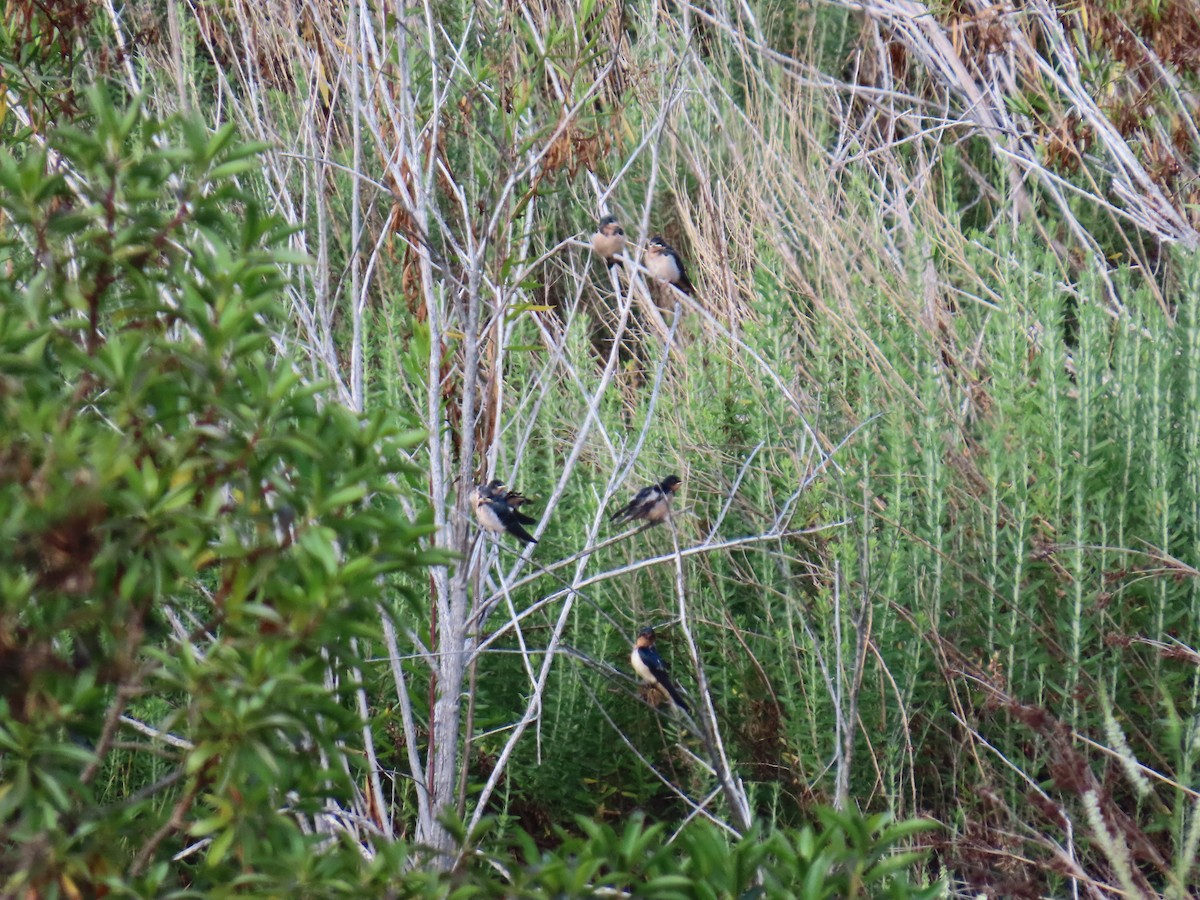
(515, 499)
(497, 511)
(609, 241)
(652, 670)
(665, 264)
(650, 503)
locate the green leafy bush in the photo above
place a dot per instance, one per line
(191, 539)
(843, 855)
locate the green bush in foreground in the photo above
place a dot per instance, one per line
(845, 856)
(191, 539)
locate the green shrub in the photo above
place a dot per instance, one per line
(191, 538)
(841, 856)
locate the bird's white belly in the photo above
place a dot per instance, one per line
(487, 518)
(608, 245)
(643, 671)
(663, 268)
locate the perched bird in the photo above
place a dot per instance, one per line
(650, 503)
(652, 670)
(496, 510)
(664, 264)
(609, 241)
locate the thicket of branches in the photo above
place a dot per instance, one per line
(936, 403)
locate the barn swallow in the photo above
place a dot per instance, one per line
(665, 264)
(651, 668)
(650, 503)
(496, 510)
(609, 241)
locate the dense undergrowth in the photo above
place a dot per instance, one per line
(937, 417)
